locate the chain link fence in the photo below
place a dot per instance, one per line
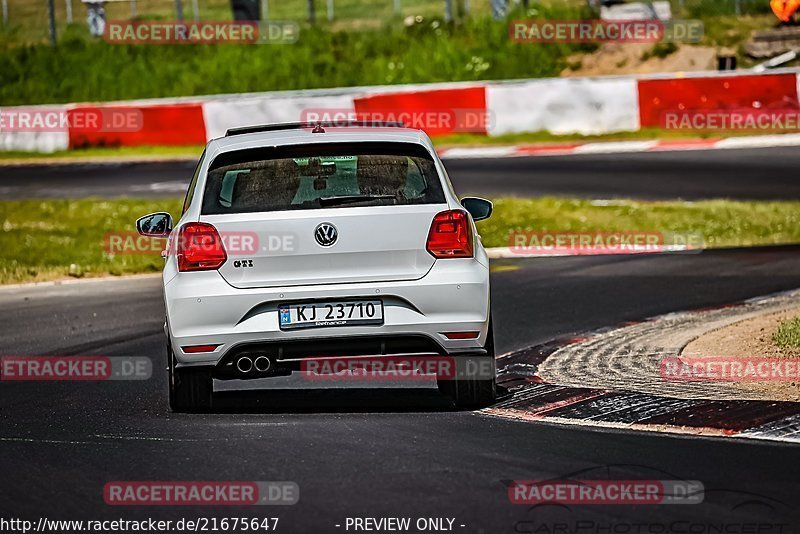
(27, 20)
(706, 8)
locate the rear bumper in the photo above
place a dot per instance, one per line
(203, 309)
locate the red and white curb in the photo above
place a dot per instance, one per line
(533, 399)
(620, 147)
(496, 152)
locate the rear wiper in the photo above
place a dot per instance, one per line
(345, 199)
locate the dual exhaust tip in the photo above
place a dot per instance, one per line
(245, 364)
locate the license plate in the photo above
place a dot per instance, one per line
(330, 313)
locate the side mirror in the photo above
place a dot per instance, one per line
(479, 208)
(155, 225)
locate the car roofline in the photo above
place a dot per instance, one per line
(315, 127)
(277, 138)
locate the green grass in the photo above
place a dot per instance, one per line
(645, 134)
(52, 239)
(89, 70)
(28, 19)
(731, 31)
(714, 8)
(366, 44)
(729, 34)
(660, 50)
(722, 223)
(788, 334)
(136, 152)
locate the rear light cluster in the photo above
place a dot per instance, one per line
(450, 235)
(194, 349)
(200, 248)
(461, 335)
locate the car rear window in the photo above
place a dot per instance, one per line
(321, 176)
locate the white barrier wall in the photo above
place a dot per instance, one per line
(34, 141)
(588, 106)
(220, 115)
(564, 105)
(798, 83)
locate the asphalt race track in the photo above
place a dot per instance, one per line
(396, 452)
(381, 452)
(767, 173)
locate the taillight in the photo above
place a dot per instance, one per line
(461, 335)
(450, 235)
(194, 349)
(200, 248)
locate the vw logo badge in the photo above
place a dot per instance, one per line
(326, 234)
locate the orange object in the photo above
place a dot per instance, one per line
(784, 9)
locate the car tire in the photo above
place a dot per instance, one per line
(191, 388)
(473, 393)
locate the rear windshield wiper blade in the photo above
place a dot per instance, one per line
(344, 199)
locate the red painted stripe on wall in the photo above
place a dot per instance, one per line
(765, 92)
(436, 111)
(119, 125)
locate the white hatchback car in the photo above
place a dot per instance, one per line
(301, 241)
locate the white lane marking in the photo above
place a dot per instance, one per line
(759, 141)
(51, 441)
(479, 152)
(788, 438)
(103, 439)
(684, 146)
(785, 429)
(610, 147)
(171, 187)
(614, 147)
(71, 281)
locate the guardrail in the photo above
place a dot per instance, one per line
(587, 106)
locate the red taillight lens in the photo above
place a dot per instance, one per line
(200, 248)
(461, 335)
(450, 235)
(194, 349)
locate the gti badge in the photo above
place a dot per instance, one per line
(326, 234)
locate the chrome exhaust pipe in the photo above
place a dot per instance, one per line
(262, 364)
(244, 364)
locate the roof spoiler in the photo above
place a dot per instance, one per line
(316, 127)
